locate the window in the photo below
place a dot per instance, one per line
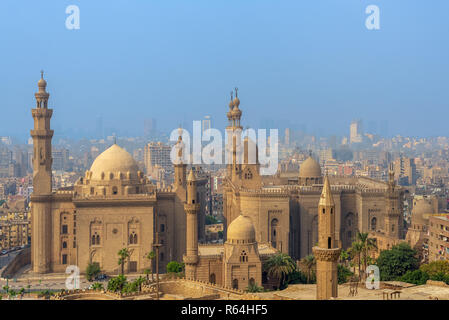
(64, 245)
(64, 229)
(133, 238)
(373, 223)
(329, 242)
(235, 284)
(114, 190)
(161, 256)
(162, 227)
(64, 259)
(243, 256)
(212, 278)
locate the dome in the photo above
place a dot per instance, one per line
(236, 111)
(241, 230)
(309, 168)
(114, 160)
(236, 101)
(42, 83)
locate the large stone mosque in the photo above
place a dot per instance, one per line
(114, 206)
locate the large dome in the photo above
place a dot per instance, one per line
(241, 230)
(309, 168)
(114, 160)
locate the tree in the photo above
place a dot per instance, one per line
(366, 245)
(174, 267)
(397, 261)
(97, 286)
(436, 267)
(92, 270)
(417, 277)
(21, 292)
(309, 262)
(12, 293)
(344, 257)
(123, 254)
(355, 253)
(117, 283)
(253, 287)
(343, 274)
(151, 256)
(280, 266)
(210, 220)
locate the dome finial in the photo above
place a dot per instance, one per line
(42, 74)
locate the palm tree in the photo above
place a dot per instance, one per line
(280, 266)
(344, 256)
(309, 262)
(151, 256)
(123, 255)
(355, 254)
(367, 244)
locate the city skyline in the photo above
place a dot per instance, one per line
(135, 62)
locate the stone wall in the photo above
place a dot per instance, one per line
(22, 259)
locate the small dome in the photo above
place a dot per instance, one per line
(42, 83)
(231, 105)
(236, 111)
(309, 168)
(242, 230)
(114, 160)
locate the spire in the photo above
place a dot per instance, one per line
(191, 176)
(326, 195)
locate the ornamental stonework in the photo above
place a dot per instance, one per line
(322, 254)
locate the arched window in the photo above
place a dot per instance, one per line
(114, 190)
(252, 282)
(64, 245)
(374, 223)
(243, 256)
(235, 284)
(93, 240)
(135, 239)
(97, 238)
(274, 226)
(212, 278)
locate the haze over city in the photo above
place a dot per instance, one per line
(309, 65)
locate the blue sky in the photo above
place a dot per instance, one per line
(304, 64)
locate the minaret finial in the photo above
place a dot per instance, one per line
(236, 92)
(232, 95)
(42, 74)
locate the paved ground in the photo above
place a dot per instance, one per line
(308, 292)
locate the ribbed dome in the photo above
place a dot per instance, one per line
(114, 160)
(309, 168)
(242, 230)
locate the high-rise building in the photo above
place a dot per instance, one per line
(287, 136)
(356, 132)
(157, 154)
(405, 170)
(150, 127)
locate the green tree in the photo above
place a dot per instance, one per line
(253, 287)
(97, 286)
(21, 292)
(123, 254)
(436, 267)
(12, 293)
(309, 263)
(366, 245)
(280, 266)
(174, 267)
(397, 261)
(417, 277)
(117, 283)
(92, 270)
(355, 252)
(151, 256)
(211, 220)
(343, 273)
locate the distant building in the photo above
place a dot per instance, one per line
(405, 171)
(439, 237)
(206, 123)
(157, 154)
(356, 132)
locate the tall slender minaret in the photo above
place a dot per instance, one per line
(180, 165)
(327, 252)
(234, 143)
(42, 181)
(393, 219)
(191, 208)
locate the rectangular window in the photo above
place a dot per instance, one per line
(64, 259)
(64, 229)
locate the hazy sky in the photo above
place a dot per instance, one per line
(309, 64)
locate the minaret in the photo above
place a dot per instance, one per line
(180, 165)
(393, 225)
(42, 181)
(327, 252)
(191, 208)
(234, 133)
